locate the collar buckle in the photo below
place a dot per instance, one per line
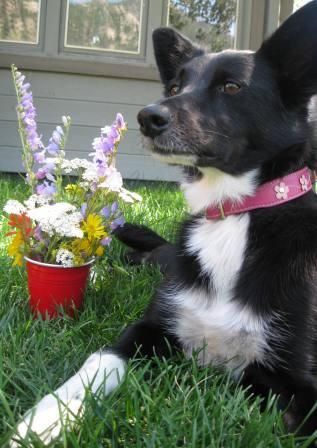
(221, 210)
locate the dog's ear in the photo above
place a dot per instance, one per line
(292, 51)
(171, 50)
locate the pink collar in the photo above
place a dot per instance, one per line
(272, 193)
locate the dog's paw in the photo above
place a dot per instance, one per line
(47, 419)
(102, 372)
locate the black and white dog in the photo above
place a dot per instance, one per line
(241, 291)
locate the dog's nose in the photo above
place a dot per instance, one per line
(154, 119)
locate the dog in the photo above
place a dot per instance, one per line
(241, 281)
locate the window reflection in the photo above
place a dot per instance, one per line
(210, 23)
(19, 21)
(112, 25)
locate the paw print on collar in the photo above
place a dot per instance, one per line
(304, 182)
(281, 191)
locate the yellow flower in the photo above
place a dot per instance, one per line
(15, 248)
(78, 261)
(74, 189)
(81, 246)
(93, 227)
(18, 260)
(100, 251)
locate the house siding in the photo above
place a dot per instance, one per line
(92, 102)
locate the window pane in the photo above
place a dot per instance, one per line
(112, 25)
(210, 23)
(299, 3)
(19, 20)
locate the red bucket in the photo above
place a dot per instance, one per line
(53, 286)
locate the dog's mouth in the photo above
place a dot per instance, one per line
(168, 152)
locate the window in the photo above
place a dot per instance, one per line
(210, 23)
(19, 21)
(299, 3)
(113, 25)
(113, 37)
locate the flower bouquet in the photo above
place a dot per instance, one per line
(62, 228)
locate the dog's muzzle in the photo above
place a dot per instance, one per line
(154, 120)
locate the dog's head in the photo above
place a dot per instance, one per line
(234, 110)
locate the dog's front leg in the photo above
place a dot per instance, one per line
(297, 396)
(65, 405)
(101, 373)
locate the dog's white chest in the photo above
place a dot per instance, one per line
(219, 328)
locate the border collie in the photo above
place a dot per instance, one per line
(241, 283)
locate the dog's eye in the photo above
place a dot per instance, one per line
(230, 87)
(173, 90)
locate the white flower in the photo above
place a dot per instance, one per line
(65, 258)
(113, 180)
(66, 120)
(61, 219)
(129, 196)
(36, 200)
(105, 130)
(84, 185)
(91, 174)
(14, 207)
(75, 164)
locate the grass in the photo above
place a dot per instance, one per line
(161, 403)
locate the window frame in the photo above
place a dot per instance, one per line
(255, 19)
(29, 46)
(99, 52)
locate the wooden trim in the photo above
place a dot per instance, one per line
(272, 13)
(257, 24)
(251, 18)
(155, 20)
(52, 27)
(243, 33)
(81, 65)
(286, 9)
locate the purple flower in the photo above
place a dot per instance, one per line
(39, 157)
(27, 113)
(50, 176)
(103, 145)
(38, 233)
(106, 241)
(34, 141)
(106, 212)
(83, 209)
(114, 134)
(59, 129)
(56, 137)
(46, 171)
(50, 166)
(52, 147)
(40, 174)
(101, 164)
(118, 222)
(120, 121)
(46, 189)
(114, 207)
(20, 78)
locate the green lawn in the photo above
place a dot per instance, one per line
(164, 404)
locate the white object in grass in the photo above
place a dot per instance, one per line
(101, 373)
